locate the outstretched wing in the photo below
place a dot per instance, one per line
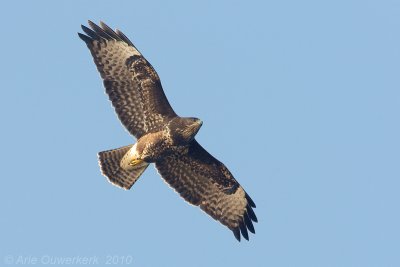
(204, 181)
(131, 83)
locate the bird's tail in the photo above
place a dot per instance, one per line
(109, 162)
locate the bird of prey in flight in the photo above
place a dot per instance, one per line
(163, 137)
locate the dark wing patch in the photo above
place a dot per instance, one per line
(204, 181)
(131, 83)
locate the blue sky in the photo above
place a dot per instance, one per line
(300, 99)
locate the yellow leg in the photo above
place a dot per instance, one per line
(135, 162)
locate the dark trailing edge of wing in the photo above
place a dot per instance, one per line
(247, 221)
(102, 32)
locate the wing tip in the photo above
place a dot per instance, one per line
(243, 230)
(85, 38)
(102, 32)
(90, 23)
(245, 225)
(236, 233)
(251, 213)
(124, 38)
(250, 201)
(248, 223)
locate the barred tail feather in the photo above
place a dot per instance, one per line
(109, 162)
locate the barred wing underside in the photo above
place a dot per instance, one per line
(204, 181)
(131, 83)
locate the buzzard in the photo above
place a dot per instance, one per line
(163, 137)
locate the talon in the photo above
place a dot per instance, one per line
(135, 162)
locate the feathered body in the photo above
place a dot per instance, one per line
(174, 138)
(163, 138)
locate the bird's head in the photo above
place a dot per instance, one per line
(183, 130)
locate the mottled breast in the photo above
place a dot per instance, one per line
(153, 146)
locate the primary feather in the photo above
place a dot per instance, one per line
(135, 91)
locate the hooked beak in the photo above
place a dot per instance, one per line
(196, 126)
(192, 130)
